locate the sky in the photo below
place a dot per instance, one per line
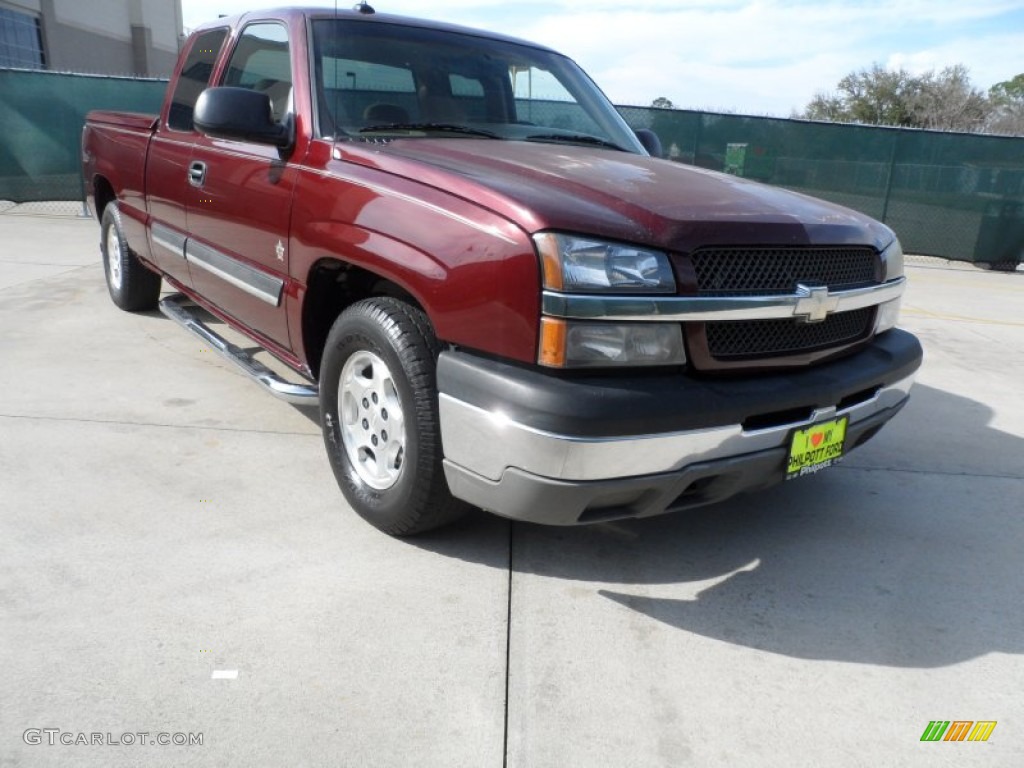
(759, 57)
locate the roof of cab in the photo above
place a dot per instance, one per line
(320, 12)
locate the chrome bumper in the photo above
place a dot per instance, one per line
(487, 444)
(529, 474)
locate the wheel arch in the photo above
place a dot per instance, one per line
(103, 194)
(332, 285)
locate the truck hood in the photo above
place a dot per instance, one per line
(620, 195)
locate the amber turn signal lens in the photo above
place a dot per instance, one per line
(551, 262)
(552, 342)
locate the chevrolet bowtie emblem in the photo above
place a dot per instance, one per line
(814, 304)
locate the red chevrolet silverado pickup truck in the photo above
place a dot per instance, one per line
(495, 291)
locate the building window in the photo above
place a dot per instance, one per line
(21, 41)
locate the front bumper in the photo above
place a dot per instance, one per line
(534, 446)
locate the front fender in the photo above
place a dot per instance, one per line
(474, 273)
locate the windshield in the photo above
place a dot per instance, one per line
(386, 80)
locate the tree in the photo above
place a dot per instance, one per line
(949, 102)
(1008, 90)
(1007, 100)
(825, 106)
(662, 103)
(877, 96)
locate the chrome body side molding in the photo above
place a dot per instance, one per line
(254, 282)
(169, 239)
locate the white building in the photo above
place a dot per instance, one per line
(111, 37)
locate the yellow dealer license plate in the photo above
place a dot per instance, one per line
(816, 448)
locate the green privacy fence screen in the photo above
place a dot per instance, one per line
(41, 118)
(954, 195)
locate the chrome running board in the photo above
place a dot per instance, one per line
(176, 308)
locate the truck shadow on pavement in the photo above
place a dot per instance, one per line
(907, 555)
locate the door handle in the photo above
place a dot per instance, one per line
(197, 173)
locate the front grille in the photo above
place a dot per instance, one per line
(767, 271)
(747, 339)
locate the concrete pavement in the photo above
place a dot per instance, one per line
(161, 518)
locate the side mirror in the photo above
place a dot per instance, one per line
(241, 114)
(650, 141)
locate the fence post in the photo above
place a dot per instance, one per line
(892, 170)
(696, 136)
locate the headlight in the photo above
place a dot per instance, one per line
(567, 344)
(892, 260)
(582, 265)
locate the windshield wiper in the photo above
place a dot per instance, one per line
(437, 127)
(574, 138)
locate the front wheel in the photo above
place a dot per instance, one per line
(378, 410)
(132, 287)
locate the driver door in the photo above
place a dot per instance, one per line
(239, 198)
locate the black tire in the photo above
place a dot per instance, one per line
(387, 351)
(133, 287)
(1002, 266)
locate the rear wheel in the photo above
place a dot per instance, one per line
(378, 409)
(132, 286)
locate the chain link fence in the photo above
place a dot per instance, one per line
(61, 208)
(957, 196)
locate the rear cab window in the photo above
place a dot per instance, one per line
(369, 90)
(194, 78)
